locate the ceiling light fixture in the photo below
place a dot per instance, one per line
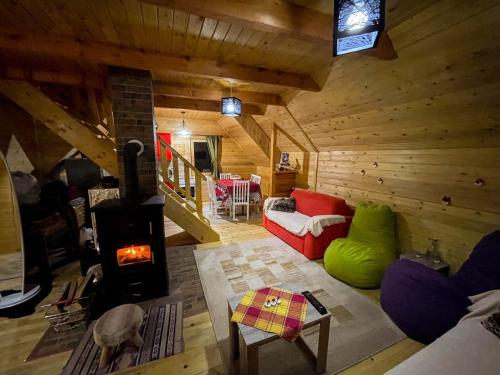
(230, 105)
(184, 132)
(357, 25)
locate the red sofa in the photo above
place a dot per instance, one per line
(310, 203)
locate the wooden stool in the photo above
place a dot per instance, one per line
(116, 326)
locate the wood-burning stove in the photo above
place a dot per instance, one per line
(132, 241)
(132, 246)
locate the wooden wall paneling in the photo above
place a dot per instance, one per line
(49, 149)
(244, 141)
(255, 132)
(235, 160)
(9, 225)
(397, 82)
(265, 182)
(429, 119)
(45, 110)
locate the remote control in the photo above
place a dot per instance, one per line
(317, 305)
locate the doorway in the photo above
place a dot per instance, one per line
(202, 157)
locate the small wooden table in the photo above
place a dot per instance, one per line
(441, 266)
(248, 340)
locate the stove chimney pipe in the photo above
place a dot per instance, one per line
(131, 151)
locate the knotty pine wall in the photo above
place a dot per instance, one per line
(430, 120)
(233, 159)
(43, 147)
(9, 225)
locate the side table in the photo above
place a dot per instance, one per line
(441, 267)
(248, 339)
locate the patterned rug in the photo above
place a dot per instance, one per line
(161, 331)
(184, 286)
(358, 330)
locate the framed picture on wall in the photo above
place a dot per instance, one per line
(284, 161)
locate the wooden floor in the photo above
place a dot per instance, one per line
(201, 355)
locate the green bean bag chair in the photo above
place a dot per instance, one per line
(361, 258)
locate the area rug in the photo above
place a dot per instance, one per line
(184, 286)
(359, 328)
(161, 331)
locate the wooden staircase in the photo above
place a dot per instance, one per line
(181, 206)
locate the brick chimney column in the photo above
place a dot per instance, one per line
(132, 101)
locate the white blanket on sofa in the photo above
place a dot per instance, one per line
(299, 224)
(468, 348)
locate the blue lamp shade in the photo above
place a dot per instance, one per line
(230, 106)
(357, 25)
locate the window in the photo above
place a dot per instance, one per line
(202, 157)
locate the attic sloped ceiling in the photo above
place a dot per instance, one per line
(410, 132)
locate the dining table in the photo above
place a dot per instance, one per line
(224, 189)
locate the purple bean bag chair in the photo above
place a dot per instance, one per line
(424, 304)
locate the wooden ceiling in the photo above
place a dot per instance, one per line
(196, 49)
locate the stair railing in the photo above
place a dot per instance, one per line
(192, 178)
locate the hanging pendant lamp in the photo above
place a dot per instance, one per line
(357, 25)
(184, 132)
(230, 105)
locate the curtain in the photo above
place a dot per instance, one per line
(215, 150)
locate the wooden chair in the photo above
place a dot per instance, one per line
(215, 202)
(241, 196)
(255, 178)
(225, 176)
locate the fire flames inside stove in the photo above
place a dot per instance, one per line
(133, 254)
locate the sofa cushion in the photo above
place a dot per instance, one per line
(283, 204)
(311, 203)
(293, 222)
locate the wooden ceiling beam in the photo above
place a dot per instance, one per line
(62, 77)
(163, 101)
(182, 91)
(113, 54)
(274, 16)
(254, 131)
(42, 108)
